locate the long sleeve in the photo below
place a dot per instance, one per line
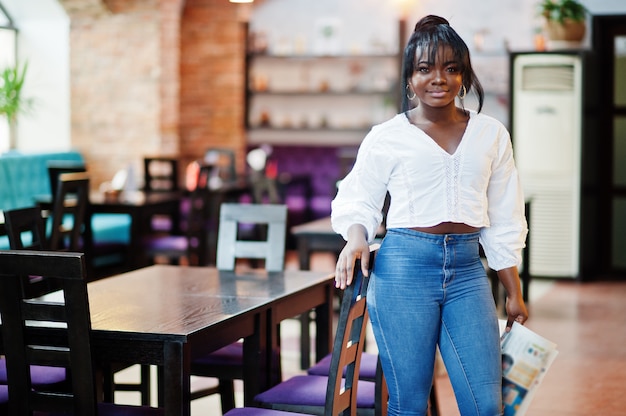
(504, 239)
(361, 194)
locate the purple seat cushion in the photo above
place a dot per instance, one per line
(40, 375)
(4, 393)
(257, 411)
(311, 391)
(104, 409)
(111, 409)
(230, 355)
(367, 370)
(164, 243)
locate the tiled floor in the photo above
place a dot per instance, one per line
(587, 321)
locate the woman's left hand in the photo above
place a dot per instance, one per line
(515, 308)
(516, 311)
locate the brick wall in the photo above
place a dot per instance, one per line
(153, 76)
(212, 78)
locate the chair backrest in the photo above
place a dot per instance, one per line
(27, 221)
(54, 331)
(160, 173)
(19, 223)
(58, 167)
(348, 346)
(230, 247)
(70, 205)
(197, 231)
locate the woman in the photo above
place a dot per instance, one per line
(452, 180)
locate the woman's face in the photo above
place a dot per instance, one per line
(436, 84)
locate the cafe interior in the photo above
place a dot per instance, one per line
(170, 169)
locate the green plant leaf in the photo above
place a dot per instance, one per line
(559, 10)
(11, 83)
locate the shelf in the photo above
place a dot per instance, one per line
(321, 57)
(309, 137)
(267, 130)
(323, 93)
(339, 96)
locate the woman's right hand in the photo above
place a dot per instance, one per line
(356, 248)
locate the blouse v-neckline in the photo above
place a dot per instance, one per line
(434, 142)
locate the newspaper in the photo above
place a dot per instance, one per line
(526, 356)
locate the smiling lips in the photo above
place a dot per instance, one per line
(437, 93)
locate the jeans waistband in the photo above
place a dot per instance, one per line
(436, 238)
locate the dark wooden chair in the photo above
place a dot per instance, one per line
(226, 364)
(69, 216)
(26, 231)
(26, 228)
(69, 212)
(54, 331)
(160, 174)
(370, 370)
(341, 392)
(58, 167)
(71, 224)
(192, 244)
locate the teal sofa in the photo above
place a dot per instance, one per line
(24, 177)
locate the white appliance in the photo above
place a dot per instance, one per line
(547, 134)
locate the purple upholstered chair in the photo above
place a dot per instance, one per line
(192, 244)
(336, 393)
(226, 364)
(26, 230)
(161, 174)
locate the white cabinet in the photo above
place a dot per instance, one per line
(547, 128)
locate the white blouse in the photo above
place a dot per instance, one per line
(477, 185)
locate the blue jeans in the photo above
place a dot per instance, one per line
(428, 290)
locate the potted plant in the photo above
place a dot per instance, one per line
(12, 101)
(565, 19)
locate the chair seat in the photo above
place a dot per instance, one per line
(258, 411)
(109, 409)
(40, 375)
(308, 390)
(367, 370)
(230, 355)
(166, 244)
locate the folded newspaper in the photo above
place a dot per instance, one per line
(526, 356)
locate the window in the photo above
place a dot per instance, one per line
(8, 41)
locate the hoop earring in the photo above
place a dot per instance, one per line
(408, 88)
(464, 91)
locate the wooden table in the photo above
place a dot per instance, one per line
(141, 206)
(165, 315)
(318, 235)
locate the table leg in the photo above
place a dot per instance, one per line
(256, 352)
(174, 394)
(324, 324)
(304, 253)
(304, 258)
